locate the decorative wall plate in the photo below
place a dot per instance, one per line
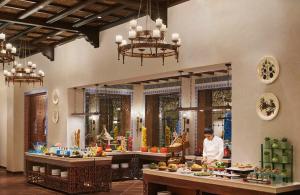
(268, 69)
(267, 106)
(55, 116)
(55, 96)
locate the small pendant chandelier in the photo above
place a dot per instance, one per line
(148, 43)
(25, 72)
(7, 51)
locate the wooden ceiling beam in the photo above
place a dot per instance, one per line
(120, 21)
(70, 11)
(4, 25)
(7, 17)
(4, 2)
(43, 37)
(101, 14)
(22, 33)
(36, 7)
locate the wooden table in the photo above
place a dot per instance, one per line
(155, 181)
(84, 174)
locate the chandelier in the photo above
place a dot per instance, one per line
(24, 73)
(7, 51)
(148, 43)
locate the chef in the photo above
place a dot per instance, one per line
(213, 147)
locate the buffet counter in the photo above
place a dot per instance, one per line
(155, 181)
(198, 159)
(69, 175)
(129, 164)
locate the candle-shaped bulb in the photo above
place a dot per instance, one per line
(179, 42)
(13, 70)
(2, 36)
(163, 28)
(5, 72)
(133, 24)
(158, 22)
(175, 37)
(27, 70)
(132, 34)
(124, 42)
(156, 33)
(13, 50)
(8, 46)
(119, 39)
(29, 63)
(33, 66)
(3, 51)
(139, 28)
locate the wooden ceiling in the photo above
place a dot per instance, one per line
(45, 24)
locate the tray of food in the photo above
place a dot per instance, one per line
(202, 174)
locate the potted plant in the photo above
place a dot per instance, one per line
(267, 157)
(275, 144)
(284, 143)
(267, 142)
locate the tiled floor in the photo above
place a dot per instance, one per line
(15, 184)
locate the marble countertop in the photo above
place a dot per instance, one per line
(236, 183)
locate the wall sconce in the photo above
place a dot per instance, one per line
(139, 122)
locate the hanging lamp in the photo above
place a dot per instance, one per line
(148, 43)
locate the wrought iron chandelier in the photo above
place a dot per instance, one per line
(148, 43)
(25, 72)
(7, 51)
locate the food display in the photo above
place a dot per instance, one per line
(196, 167)
(202, 173)
(153, 166)
(172, 167)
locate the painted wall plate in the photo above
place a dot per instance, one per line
(55, 116)
(267, 106)
(268, 69)
(55, 96)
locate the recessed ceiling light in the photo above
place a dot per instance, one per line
(99, 17)
(41, 7)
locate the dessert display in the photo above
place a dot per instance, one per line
(202, 173)
(162, 166)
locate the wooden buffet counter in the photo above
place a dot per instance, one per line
(135, 161)
(198, 159)
(83, 174)
(155, 181)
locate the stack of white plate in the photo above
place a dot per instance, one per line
(42, 169)
(55, 172)
(164, 193)
(124, 165)
(115, 166)
(64, 174)
(36, 168)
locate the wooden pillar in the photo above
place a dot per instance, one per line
(204, 116)
(152, 119)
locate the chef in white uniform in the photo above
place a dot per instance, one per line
(213, 147)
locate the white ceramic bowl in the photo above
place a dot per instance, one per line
(164, 193)
(115, 166)
(55, 172)
(145, 166)
(64, 174)
(124, 165)
(36, 168)
(42, 169)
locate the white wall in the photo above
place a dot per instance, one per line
(216, 31)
